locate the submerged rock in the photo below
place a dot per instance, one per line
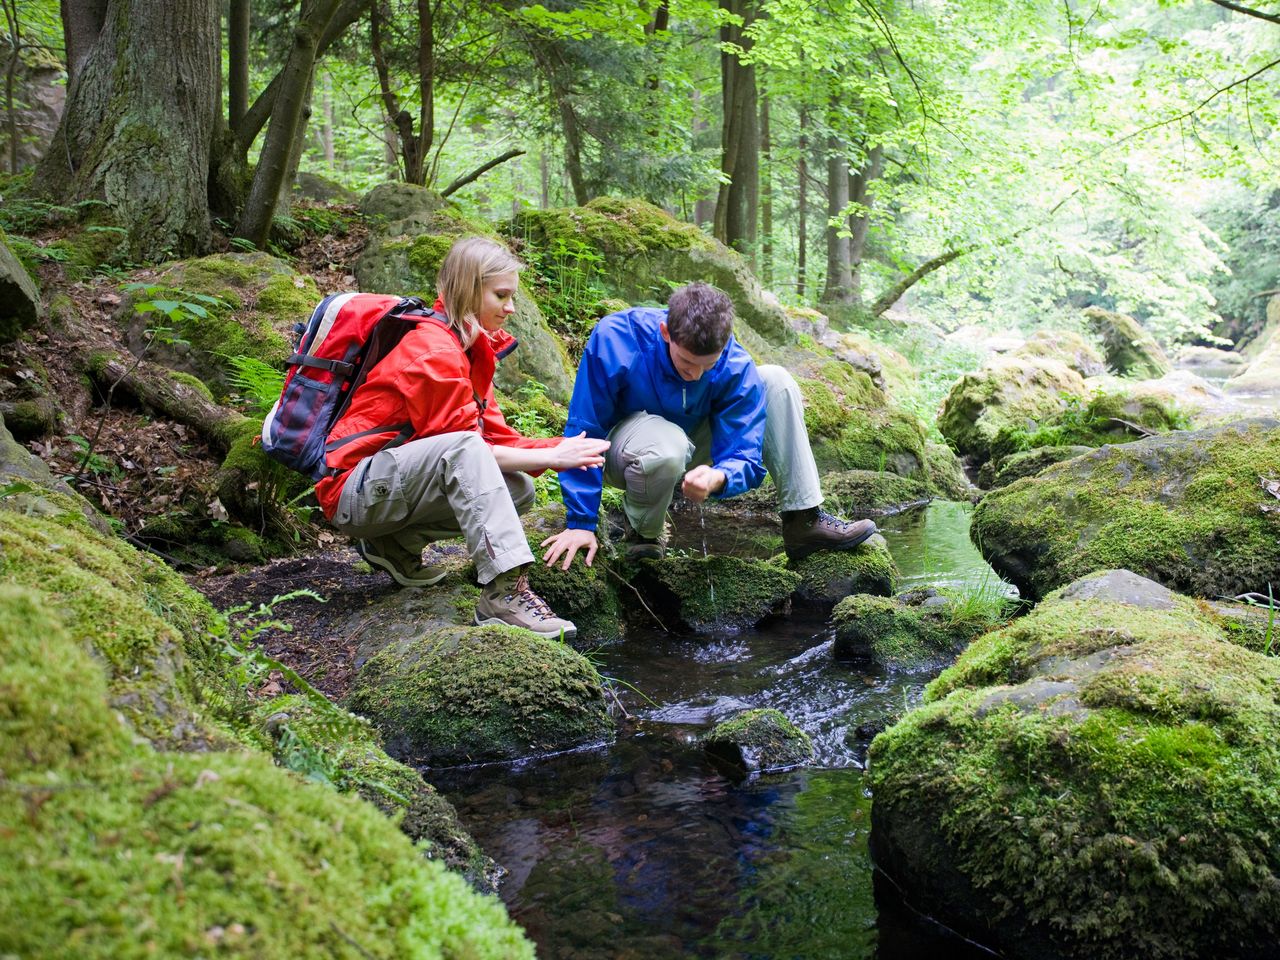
(1131, 351)
(1095, 780)
(460, 695)
(1186, 509)
(709, 594)
(759, 741)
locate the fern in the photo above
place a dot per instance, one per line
(257, 384)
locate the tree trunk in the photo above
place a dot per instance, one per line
(766, 196)
(572, 148)
(82, 23)
(11, 69)
(426, 87)
(737, 203)
(237, 62)
(802, 204)
(326, 129)
(839, 288)
(284, 200)
(139, 124)
(859, 223)
(286, 122)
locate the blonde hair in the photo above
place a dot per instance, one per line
(470, 262)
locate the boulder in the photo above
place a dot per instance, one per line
(1181, 392)
(1262, 375)
(714, 593)
(759, 741)
(413, 230)
(313, 186)
(1186, 509)
(1192, 357)
(1026, 463)
(848, 493)
(1068, 347)
(19, 296)
(912, 630)
(1130, 350)
(1007, 393)
(1095, 780)
(829, 576)
(457, 695)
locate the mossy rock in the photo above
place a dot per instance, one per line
(910, 631)
(848, 493)
(1262, 375)
(1185, 509)
(19, 296)
(257, 490)
(314, 186)
(1098, 779)
(332, 745)
(1011, 393)
(260, 301)
(1130, 350)
(1066, 346)
(714, 593)
(646, 250)
(759, 741)
(403, 255)
(947, 478)
(858, 429)
(1026, 463)
(829, 576)
(474, 694)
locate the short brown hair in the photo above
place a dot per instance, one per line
(700, 318)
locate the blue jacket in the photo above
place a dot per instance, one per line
(626, 368)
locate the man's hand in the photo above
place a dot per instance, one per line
(569, 542)
(701, 482)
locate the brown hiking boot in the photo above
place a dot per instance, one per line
(636, 547)
(508, 600)
(807, 531)
(405, 570)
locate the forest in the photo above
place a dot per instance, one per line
(1023, 264)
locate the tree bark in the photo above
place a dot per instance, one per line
(895, 292)
(11, 69)
(766, 196)
(82, 23)
(286, 122)
(237, 62)
(802, 203)
(839, 287)
(738, 201)
(139, 122)
(859, 223)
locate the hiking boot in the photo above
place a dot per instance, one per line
(509, 600)
(808, 531)
(405, 570)
(636, 547)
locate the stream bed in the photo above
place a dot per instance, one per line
(645, 849)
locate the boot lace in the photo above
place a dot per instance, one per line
(523, 594)
(834, 523)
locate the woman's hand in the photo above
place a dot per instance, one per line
(580, 451)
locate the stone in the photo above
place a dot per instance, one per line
(19, 296)
(1130, 350)
(759, 741)
(828, 576)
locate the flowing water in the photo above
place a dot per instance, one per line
(645, 849)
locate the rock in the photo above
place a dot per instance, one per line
(1209, 358)
(1096, 779)
(1180, 392)
(984, 340)
(907, 631)
(313, 186)
(459, 695)
(828, 576)
(848, 493)
(946, 474)
(414, 229)
(1185, 509)
(1008, 393)
(715, 593)
(1130, 350)
(1026, 463)
(19, 296)
(1262, 375)
(1066, 346)
(589, 596)
(759, 741)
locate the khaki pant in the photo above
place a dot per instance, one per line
(648, 455)
(435, 488)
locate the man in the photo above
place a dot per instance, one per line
(670, 388)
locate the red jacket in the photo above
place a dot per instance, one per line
(430, 383)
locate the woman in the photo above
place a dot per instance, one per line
(464, 470)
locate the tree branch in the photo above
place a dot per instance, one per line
(479, 172)
(1247, 11)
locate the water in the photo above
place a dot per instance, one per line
(645, 849)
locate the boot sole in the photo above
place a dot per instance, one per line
(545, 635)
(798, 555)
(373, 560)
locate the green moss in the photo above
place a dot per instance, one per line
(946, 475)
(469, 694)
(194, 382)
(1183, 509)
(763, 739)
(586, 595)
(829, 575)
(896, 634)
(716, 592)
(611, 225)
(1103, 772)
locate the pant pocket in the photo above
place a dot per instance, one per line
(380, 496)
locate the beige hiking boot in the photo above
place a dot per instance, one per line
(508, 600)
(807, 531)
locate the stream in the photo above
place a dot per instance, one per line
(644, 849)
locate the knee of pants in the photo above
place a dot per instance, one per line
(522, 492)
(660, 464)
(777, 379)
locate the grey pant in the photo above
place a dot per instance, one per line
(434, 488)
(648, 455)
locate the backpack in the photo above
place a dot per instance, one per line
(347, 335)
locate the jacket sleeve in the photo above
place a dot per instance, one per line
(608, 356)
(737, 429)
(500, 433)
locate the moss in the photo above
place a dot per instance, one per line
(612, 225)
(946, 475)
(1130, 349)
(1184, 509)
(585, 595)
(896, 634)
(761, 740)
(829, 575)
(1100, 776)
(716, 592)
(194, 382)
(1026, 463)
(256, 489)
(469, 694)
